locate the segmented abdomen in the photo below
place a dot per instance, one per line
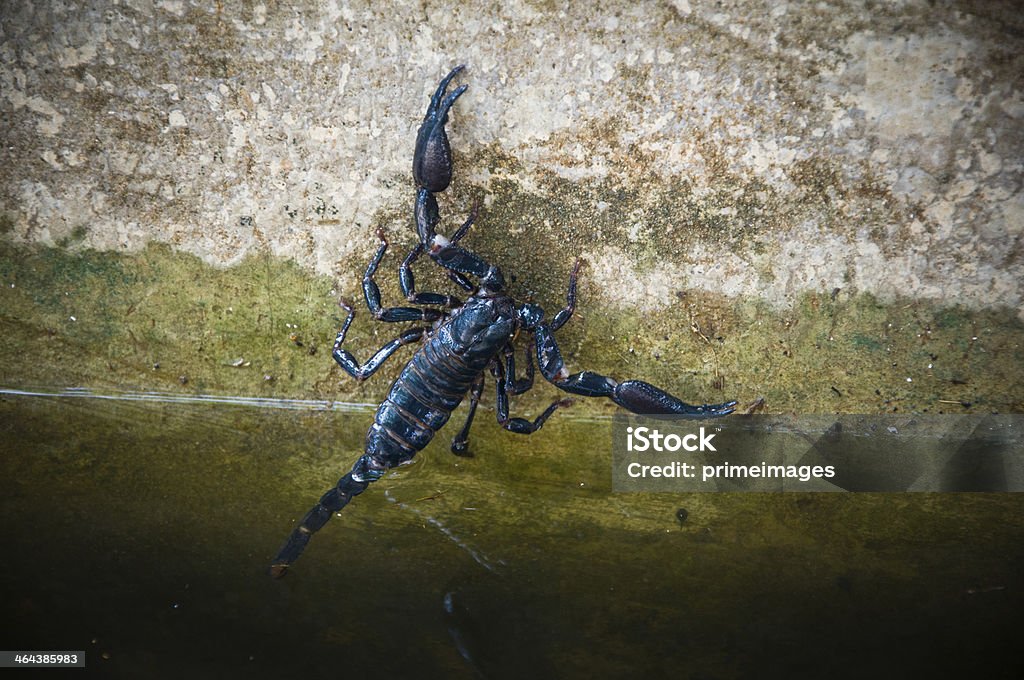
(420, 401)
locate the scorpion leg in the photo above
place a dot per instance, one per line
(462, 282)
(407, 281)
(513, 386)
(372, 292)
(364, 371)
(459, 279)
(352, 484)
(570, 299)
(461, 231)
(460, 444)
(444, 251)
(518, 425)
(633, 395)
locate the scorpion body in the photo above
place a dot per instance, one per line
(459, 346)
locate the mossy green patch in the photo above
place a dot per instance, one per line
(160, 319)
(163, 320)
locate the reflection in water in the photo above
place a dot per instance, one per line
(477, 556)
(462, 628)
(176, 398)
(138, 527)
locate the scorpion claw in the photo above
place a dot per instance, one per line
(640, 397)
(443, 85)
(432, 161)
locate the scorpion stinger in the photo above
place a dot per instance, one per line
(459, 346)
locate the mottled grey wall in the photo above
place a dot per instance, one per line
(765, 148)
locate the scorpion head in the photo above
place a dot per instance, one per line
(482, 325)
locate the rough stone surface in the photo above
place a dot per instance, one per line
(873, 149)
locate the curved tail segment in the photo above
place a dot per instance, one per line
(348, 487)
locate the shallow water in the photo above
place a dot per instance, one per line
(139, 529)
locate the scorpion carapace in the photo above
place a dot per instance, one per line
(461, 342)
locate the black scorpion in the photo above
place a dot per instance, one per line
(460, 345)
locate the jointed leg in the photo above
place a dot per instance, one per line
(570, 299)
(507, 384)
(351, 364)
(444, 251)
(519, 425)
(392, 314)
(372, 293)
(460, 279)
(408, 282)
(461, 231)
(513, 386)
(460, 445)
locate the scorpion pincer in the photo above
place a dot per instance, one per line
(461, 342)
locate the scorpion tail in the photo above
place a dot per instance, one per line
(330, 503)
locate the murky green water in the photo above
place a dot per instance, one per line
(141, 531)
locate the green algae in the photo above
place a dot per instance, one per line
(159, 319)
(163, 320)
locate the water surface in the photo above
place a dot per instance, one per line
(140, 530)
